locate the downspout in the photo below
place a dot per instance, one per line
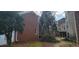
(15, 36)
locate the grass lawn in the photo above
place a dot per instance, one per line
(44, 44)
(34, 44)
(60, 43)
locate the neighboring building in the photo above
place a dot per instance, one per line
(61, 27)
(70, 24)
(77, 25)
(73, 24)
(31, 27)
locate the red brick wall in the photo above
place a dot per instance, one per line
(30, 21)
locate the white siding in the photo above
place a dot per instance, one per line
(3, 39)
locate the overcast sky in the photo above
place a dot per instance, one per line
(59, 15)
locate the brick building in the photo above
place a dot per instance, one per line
(31, 27)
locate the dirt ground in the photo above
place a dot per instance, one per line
(33, 44)
(61, 43)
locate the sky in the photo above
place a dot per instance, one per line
(59, 15)
(38, 12)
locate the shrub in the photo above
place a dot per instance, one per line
(47, 38)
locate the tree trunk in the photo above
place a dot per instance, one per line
(9, 36)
